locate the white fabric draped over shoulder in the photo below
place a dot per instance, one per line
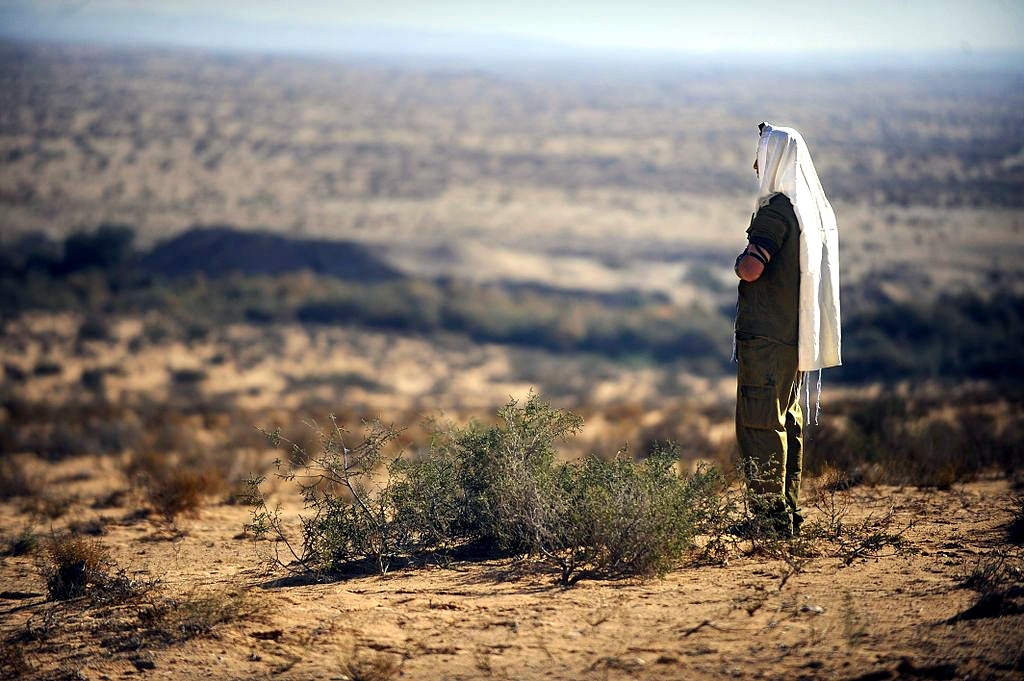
(785, 167)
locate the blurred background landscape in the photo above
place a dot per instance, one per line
(213, 221)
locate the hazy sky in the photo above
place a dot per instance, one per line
(710, 26)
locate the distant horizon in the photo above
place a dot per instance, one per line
(219, 25)
(434, 48)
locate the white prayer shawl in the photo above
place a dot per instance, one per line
(785, 167)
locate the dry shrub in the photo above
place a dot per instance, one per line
(121, 587)
(181, 491)
(832, 505)
(94, 527)
(23, 543)
(49, 505)
(626, 518)
(998, 580)
(17, 479)
(930, 441)
(835, 534)
(71, 564)
(180, 618)
(374, 667)
(171, 488)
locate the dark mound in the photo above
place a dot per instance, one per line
(217, 251)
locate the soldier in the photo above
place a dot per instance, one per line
(787, 323)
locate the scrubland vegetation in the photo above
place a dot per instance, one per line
(954, 337)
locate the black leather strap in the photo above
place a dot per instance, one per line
(757, 256)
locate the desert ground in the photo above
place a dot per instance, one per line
(909, 581)
(810, 609)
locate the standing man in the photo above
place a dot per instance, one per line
(787, 323)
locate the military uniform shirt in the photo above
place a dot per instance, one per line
(769, 306)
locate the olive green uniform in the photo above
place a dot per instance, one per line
(769, 421)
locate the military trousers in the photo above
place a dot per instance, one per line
(769, 428)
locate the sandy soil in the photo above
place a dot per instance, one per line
(794, 612)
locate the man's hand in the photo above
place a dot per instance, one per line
(751, 263)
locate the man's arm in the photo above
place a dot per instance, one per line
(751, 262)
(768, 230)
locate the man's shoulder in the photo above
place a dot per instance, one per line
(779, 200)
(781, 206)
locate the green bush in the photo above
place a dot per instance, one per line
(623, 518)
(350, 519)
(506, 479)
(493, 487)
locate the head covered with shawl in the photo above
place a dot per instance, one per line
(785, 167)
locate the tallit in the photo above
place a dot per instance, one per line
(785, 167)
